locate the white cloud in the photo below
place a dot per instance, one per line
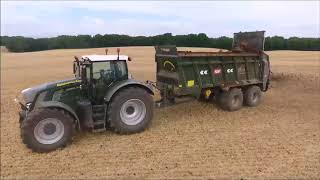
(93, 20)
(41, 18)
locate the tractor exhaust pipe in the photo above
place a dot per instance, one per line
(118, 51)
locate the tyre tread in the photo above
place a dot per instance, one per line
(27, 123)
(123, 93)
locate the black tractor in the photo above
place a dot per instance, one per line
(102, 95)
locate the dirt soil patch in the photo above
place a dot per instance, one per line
(278, 139)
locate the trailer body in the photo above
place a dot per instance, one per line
(186, 73)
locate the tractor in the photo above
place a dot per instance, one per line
(102, 95)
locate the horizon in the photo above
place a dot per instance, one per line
(141, 18)
(152, 35)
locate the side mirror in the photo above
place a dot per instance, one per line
(129, 59)
(76, 60)
(74, 68)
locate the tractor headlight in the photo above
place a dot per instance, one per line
(28, 105)
(22, 101)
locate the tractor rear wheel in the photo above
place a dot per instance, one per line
(47, 129)
(252, 96)
(130, 111)
(231, 100)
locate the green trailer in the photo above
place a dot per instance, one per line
(229, 77)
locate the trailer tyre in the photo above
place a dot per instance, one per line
(47, 129)
(231, 100)
(252, 96)
(130, 111)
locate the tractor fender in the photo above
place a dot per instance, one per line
(126, 83)
(60, 105)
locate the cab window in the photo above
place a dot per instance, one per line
(97, 67)
(121, 70)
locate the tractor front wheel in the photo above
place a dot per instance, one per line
(130, 111)
(47, 129)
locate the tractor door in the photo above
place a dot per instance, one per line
(101, 76)
(104, 74)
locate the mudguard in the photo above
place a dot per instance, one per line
(63, 106)
(266, 74)
(122, 84)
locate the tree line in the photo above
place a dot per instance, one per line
(26, 44)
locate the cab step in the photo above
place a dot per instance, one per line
(99, 126)
(99, 118)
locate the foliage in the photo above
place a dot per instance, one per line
(25, 44)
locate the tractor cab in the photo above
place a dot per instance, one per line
(103, 67)
(99, 72)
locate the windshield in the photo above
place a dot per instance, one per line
(99, 68)
(107, 70)
(111, 70)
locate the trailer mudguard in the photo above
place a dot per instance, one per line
(266, 74)
(56, 104)
(122, 84)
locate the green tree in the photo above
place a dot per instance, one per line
(277, 43)
(24, 44)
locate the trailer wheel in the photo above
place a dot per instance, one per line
(252, 96)
(231, 100)
(47, 129)
(130, 111)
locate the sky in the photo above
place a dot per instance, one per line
(215, 18)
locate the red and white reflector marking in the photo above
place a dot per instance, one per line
(217, 71)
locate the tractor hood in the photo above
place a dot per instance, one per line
(29, 94)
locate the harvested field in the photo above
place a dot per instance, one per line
(278, 139)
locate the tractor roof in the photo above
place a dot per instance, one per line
(105, 57)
